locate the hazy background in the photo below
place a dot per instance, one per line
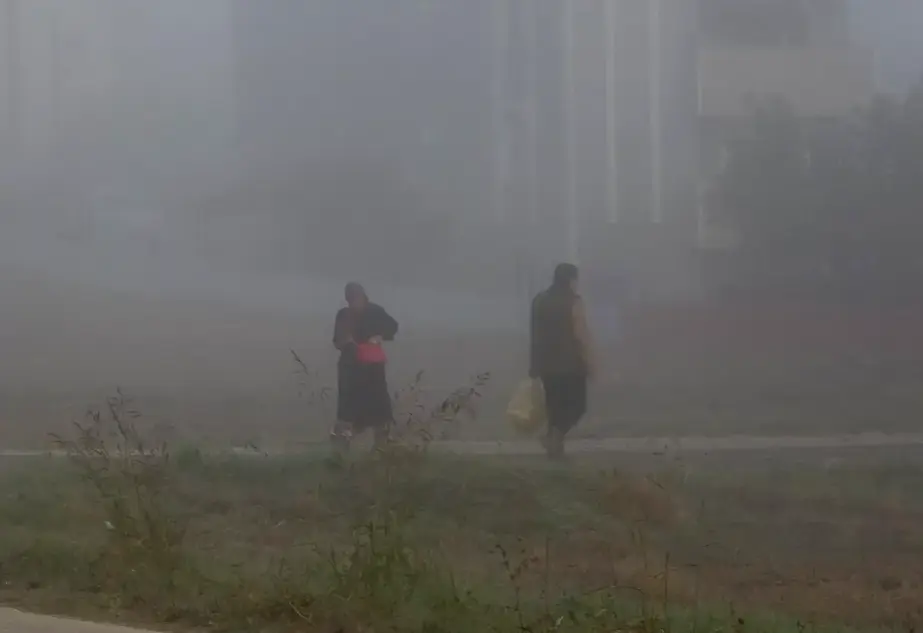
(148, 239)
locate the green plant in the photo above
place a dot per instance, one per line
(381, 568)
(131, 481)
(401, 540)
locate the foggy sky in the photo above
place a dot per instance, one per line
(148, 99)
(892, 29)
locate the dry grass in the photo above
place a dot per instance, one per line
(405, 540)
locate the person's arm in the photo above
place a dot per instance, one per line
(342, 337)
(582, 333)
(385, 324)
(389, 326)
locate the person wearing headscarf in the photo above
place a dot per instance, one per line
(363, 399)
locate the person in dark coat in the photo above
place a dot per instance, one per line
(561, 355)
(363, 399)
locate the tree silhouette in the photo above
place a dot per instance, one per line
(829, 206)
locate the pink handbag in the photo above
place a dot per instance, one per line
(370, 354)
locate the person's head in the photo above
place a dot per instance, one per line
(355, 295)
(565, 277)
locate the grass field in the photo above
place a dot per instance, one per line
(403, 540)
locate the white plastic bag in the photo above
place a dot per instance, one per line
(526, 410)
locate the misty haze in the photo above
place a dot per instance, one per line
(734, 358)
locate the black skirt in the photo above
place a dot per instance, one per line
(363, 399)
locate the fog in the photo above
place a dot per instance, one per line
(130, 149)
(174, 131)
(188, 185)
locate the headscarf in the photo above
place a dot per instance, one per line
(354, 290)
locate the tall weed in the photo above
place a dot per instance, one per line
(131, 481)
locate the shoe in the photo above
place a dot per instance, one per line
(341, 436)
(382, 438)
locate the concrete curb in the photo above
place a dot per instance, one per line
(689, 444)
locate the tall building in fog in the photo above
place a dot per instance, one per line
(453, 80)
(803, 51)
(174, 95)
(798, 49)
(142, 87)
(586, 123)
(56, 73)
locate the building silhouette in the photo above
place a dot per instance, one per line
(587, 126)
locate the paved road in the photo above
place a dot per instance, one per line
(12, 621)
(693, 444)
(678, 444)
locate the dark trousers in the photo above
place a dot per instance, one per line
(565, 400)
